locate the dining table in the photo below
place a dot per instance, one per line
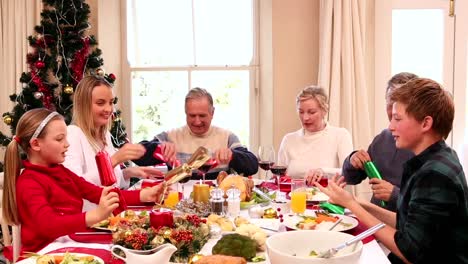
(98, 243)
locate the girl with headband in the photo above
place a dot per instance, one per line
(46, 198)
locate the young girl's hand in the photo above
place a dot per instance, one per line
(108, 202)
(154, 194)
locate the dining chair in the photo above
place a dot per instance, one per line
(16, 240)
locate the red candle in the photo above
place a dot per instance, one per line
(159, 219)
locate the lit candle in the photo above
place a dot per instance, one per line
(201, 192)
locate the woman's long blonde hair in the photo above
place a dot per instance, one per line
(82, 111)
(25, 129)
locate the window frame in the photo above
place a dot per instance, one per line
(253, 68)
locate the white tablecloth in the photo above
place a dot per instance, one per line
(371, 254)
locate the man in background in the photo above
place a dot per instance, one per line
(181, 142)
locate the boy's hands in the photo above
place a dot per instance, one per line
(359, 158)
(108, 202)
(382, 189)
(335, 191)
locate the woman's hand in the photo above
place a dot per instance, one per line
(313, 176)
(359, 158)
(382, 189)
(108, 202)
(142, 172)
(155, 193)
(335, 191)
(127, 152)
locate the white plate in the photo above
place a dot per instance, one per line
(32, 260)
(270, 226)
(348, 222)
(318, 197)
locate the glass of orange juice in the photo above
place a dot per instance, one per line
(298, 196)
(172, 198)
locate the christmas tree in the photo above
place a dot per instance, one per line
(61, 54)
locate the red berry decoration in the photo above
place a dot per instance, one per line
(112, 76)
(281, 220)
(40, 64)
(278, 209)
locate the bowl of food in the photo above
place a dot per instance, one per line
(304, 246)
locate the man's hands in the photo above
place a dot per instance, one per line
(359, 158)
(169, 152)
(108, 202)
(382, 189)
(223, 155)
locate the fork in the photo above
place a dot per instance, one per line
(332, 251)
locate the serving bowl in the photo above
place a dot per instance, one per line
(294, 247)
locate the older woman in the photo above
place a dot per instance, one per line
(317, 147)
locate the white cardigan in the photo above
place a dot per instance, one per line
(80, 158)
(326, 149)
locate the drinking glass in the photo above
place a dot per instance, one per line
(298, 195)
(279, 170)
(266, 158)
(172, 198)
(210, 164)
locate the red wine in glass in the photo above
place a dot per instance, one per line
(265, 165)
(278, 170)
(210, 164)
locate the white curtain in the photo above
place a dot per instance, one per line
(17, 19)
(345, 50)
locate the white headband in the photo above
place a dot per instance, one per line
(42, 125)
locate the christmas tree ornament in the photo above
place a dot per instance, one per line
(100, 72)
(7, 119)
(270, 213)
(38, 95)
(112, 76)
(40, 64)
(68, 89)
(195, 258)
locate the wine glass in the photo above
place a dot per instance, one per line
(182, 185)
(279, 170)
(266, 158)
(209, 164)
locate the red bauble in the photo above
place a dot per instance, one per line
(40, 64)
(112, 76)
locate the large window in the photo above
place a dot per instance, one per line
(180, 44)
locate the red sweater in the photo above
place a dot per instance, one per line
(50, 201)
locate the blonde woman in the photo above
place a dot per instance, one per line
(317, 147)
(93, 105)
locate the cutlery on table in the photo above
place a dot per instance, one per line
(331, 252)
(335, 224)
